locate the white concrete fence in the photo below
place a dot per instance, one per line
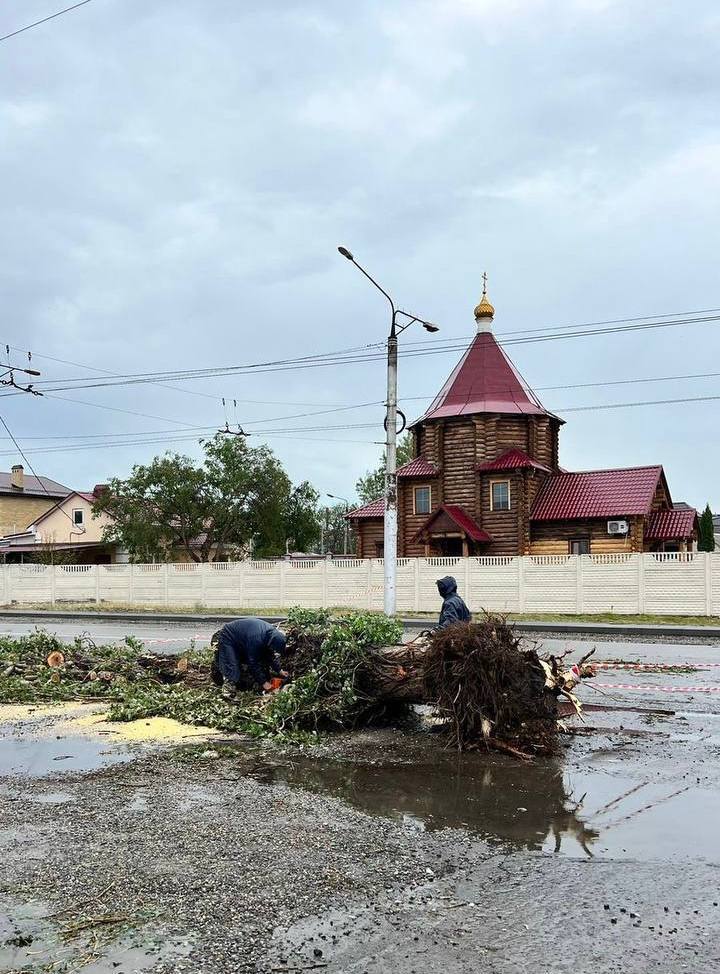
(663, 583)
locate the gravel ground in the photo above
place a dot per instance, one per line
(215, 872)
(200, 859)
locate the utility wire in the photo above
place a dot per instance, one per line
(290, 433)
(37, 23)
(349, 356)
(32, 470)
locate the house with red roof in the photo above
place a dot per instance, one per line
(486, 479)
(68, 530)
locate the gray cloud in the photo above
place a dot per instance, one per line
(176, 177)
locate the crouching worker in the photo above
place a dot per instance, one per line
(453, 607)
(247, 654)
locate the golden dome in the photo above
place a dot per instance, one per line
(484, 309)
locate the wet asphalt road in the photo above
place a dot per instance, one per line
(599, 862)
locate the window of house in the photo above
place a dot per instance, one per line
(421, 499)
(78, 517)
(579, 546)
(500, 495)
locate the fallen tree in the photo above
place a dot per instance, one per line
(488, 688)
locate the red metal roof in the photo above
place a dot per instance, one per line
(512, 460)
(419, 467)
(373, 509)
(484, 381)
(597, 493)
(461, 518)
(671, 525)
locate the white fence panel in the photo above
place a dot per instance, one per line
(348, 582)
(115, 583)
(675, 583)
(492, 584)
(224, 584)
(149, 584)
(303, 583)
(610, 583)
(74, 583)
(262, 584)
(662, 583)
(549, 583)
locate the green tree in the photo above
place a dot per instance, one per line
(372, 485)
(706, 539)
(236, 498)
(334, 530)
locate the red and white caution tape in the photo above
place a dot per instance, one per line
(654, 666)
(651, 689)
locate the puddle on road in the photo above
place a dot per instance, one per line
(541, 807)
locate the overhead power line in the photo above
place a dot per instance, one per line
(37, 23)
(32, 469)
(354, 356)
(290, 433)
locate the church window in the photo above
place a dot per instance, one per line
(421, 500)
(500, 495)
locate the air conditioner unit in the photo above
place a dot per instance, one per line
(617, 527)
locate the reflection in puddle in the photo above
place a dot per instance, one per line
(540, 807)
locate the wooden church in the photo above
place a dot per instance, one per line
(486, 478)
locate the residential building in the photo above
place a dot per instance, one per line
(66, 531)
(486, 478)
(23, 498)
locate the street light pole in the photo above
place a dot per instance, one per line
(390, 525)
(335, 497)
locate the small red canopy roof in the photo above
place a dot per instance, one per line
(463, 520)
(484, 381)
(674, 525)
(512, 460)
(419, 467)
(373, 509)
(597, 493)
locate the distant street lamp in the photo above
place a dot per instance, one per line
(390, 523)
(347, 511)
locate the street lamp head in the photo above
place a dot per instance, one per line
(429, 326)
(346, 253)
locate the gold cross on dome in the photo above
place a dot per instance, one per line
(484, 278)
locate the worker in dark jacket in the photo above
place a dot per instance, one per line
(247, 652)
(453, 607)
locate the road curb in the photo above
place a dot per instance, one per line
(526, 625)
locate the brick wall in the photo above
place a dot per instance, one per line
(16, 513)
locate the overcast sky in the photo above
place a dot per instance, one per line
(177, 174)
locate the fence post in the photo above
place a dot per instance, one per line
(368, 584)
(416, 585)
(166, 583)
(466, 593)
(131, 586)
(53, 576)
(283, 567)
(205, 567)
(520, 561)
(641, 583)
(241, 594)
(97, 585)
(579, 583)
(708, 584)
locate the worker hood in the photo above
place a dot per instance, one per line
(276, 643)
(447, 586)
